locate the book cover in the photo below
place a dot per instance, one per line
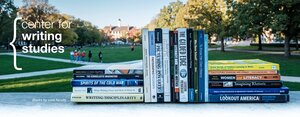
(201, 65)
(97, 71)
(190, 47)
(166, 64)
(281, 90)
(247, 64)
(239, 72)
(172, 81)
(146, 64)
(176, 67)
(110, 90)
(195, 63)
(159, 65)
(106, 82)
(255, 98)
(75, 97)
(107, 76)
(245, 84)
(152, 65)
(183, 64)
(243, 77)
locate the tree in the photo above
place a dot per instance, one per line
(8, 13)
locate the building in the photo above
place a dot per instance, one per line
(120, 32)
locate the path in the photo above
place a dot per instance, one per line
(58, 104)
(253, 51)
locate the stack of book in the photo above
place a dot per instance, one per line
(175, 65)
(108, 85)
(250, 80)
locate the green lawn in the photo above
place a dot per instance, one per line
(29, 65)
(61, 83)
(288, 66)
(110, 53)
(47, 83)
(269, 48)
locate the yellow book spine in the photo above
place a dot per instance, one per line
(107, 97)
(243, 67)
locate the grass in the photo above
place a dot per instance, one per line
(110, 53)
(288, 66)
(29, 65)
(46, 83)
(254, 48)
(61, 83)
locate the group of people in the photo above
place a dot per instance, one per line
(77, 56)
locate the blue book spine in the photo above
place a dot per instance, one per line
(249, 98)
(107, 82)
(282, 90)
(206, 99)
(201, 66)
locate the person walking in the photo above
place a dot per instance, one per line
(132, 47)
(78, 55)
(90, 55)
(75, 55)
(83, 54)
(100, 57)
(71, 56)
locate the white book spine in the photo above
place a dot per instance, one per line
(159, 65)
(147, 84)
(152, 69)
(166, 64)
(75, 97)
(183, 66)
(111, 90)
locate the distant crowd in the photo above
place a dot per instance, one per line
(78, 56)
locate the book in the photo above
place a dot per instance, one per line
(245, 84)
(239, 72)
(146, 73)
(159, 65)
(95, 70)
(247, 64)
(190, 47)
(111, 90)
(107, 82)
(183, 64)
(172, 64)
(75, 97)
(255, 98)
(166, 64)
(195, 63)
(176, 67)
(152, 66)
(206, 99)
(202, 52)
(281, 90)
(107, 76)
(243, 77)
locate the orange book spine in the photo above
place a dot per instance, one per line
(237, 72)
(257, 77)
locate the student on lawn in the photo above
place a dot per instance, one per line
(75, 55)
(71, 56)
(100, 57)
(83, 56)
(90, 55)
(132, 47)
(78, 55)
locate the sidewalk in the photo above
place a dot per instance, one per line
(252, 51)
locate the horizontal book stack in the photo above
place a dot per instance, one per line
(109, 85)
(250, 80)
(175, 65)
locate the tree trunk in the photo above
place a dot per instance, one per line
(287, 51)
(259, 42)
(222, 45)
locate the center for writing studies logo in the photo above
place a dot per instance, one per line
(183, 73)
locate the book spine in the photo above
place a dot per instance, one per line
(183, 64)
(195, 63)
(110, 90)
(107, 76)
(159, 65)
(166, 64)
(282, 90)
(249, 98)
(172, 66)
(245, 84)
(146, 65)
(201, 66)
(107, 97)
(243, 77)
(176, 67)
(89, 72)
(152, 69)
(206, 99)
(239, 72)
(107, 82)
(190, 47)
(243, 67)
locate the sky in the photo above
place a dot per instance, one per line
(107, 12)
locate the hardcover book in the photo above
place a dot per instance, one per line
(111, 90)
(255, 98)
(166, 64)
(159, 65)
(75, 97)
(281, 90)
(183, 64)
(146, 73)
(152, 69)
